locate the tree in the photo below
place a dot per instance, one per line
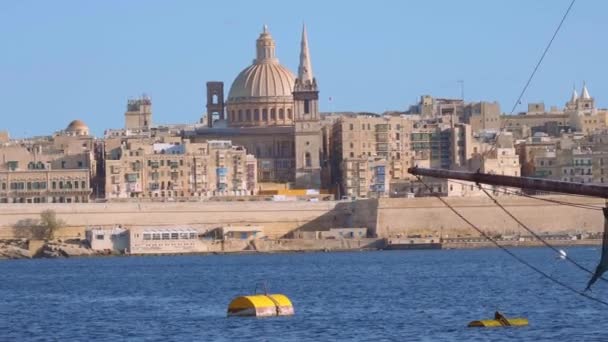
(49, 223)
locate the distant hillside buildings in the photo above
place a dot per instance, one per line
(268, 136)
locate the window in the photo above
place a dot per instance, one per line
(156, 236)
(306, 106)
(84, 184)
(174, 236)
(99, 236)
(147, 236)
(193, 235)
(307, 160)
(281, 114)
(273, 115)
(352, 127)
(256, 115)
(264, 114)
(165, 236)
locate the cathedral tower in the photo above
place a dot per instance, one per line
(308, 138)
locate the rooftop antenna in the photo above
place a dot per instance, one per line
(461, 82)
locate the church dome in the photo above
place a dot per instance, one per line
(77, 127)
(261, 94)
(262, 80)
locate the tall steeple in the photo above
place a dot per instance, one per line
(574, 95)
(585, 93)
(305, 69)
(307, 138)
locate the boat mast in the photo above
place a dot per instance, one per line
(539, 184)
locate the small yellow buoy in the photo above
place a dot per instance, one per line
(500, 321)
(261, 305)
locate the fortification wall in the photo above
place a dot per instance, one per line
(277, 218)
(387, 217)
(429, 215)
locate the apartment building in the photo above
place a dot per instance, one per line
(368, 152)
(175, 169)
(49, 169)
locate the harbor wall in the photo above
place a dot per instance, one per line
(387, 217)
(428, 215)
(277, 218)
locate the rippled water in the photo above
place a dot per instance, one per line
(367, 296)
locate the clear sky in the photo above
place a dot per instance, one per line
(62, 60)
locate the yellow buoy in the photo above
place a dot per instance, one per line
(500, 321)
(261, 305)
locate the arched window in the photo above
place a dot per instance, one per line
(248, 115)
(256, 115)
(289, 114)
(240, 115)
(273, 114)
(281, 114)
(264, 114)
(214, 99)
(307, 160)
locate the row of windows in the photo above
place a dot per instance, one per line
(246, 116)
(369, 126)
(156, 163)
(76, 199)
(170, 236)
(43, 185)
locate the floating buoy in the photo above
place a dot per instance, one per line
(261, 305)
(562, 254)
(500, 321)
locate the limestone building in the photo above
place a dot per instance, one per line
(369, 152)
(174, 169)
(274, 115)
(52, 169)
(138, 116)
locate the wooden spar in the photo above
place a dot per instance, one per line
(539, 184)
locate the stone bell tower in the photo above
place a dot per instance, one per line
(308, 137)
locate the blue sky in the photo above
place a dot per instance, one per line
(61, 60)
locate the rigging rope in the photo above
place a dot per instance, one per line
(506, 250)
(516, 193)
(542, 56)
(538, 236)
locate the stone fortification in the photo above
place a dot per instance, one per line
(386, 217)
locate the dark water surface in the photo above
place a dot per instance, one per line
(367, 296)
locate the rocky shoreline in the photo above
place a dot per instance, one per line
(24, 249)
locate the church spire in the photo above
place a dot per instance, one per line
(305, 68)
(585, 93)
(574, 95)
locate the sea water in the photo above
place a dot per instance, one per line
(350, 296)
